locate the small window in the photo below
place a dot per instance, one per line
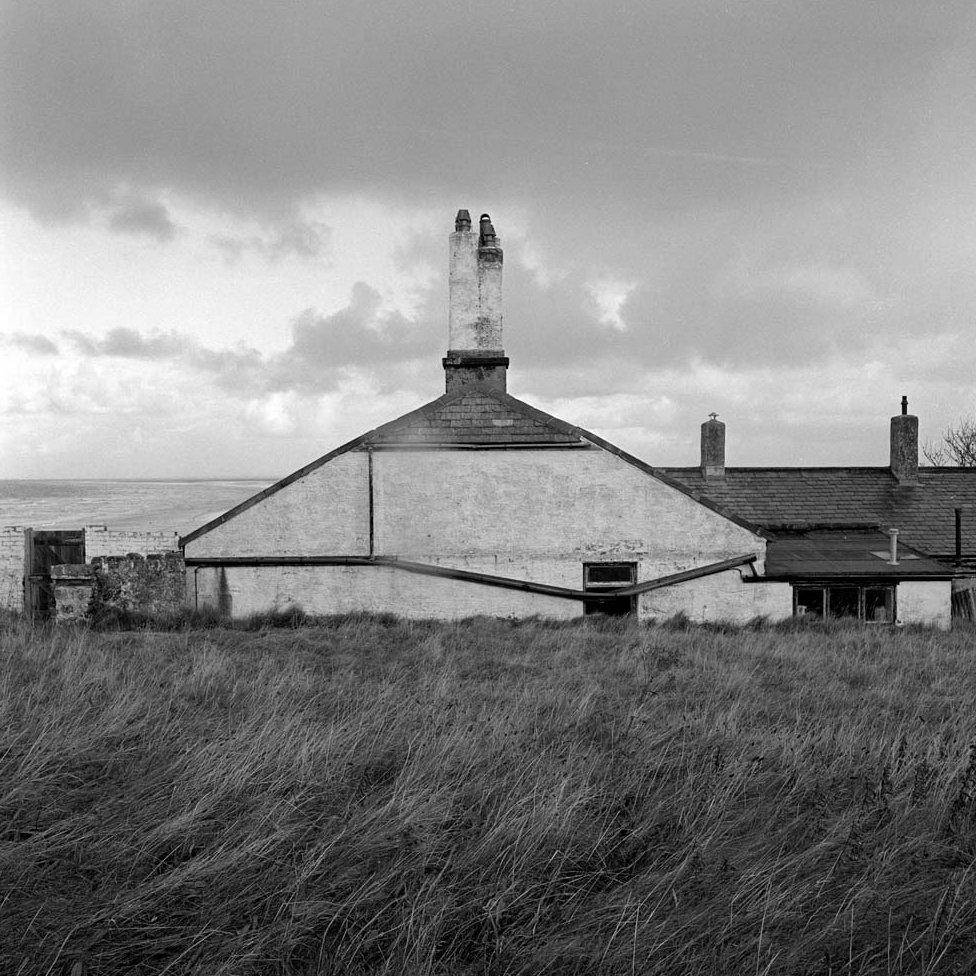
(608, 574)
(809, 601)
(879, 604)
(599, 577)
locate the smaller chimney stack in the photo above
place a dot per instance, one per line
(713, 448)
(904, 446)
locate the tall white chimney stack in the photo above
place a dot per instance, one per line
(475, 352)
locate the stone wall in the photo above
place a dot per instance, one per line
(150, 585)
(102, 541)
(13, 567)
(73, 586)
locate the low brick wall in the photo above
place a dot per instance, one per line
(73, 586)
(153, 584)
(13, 567)
(103, 541)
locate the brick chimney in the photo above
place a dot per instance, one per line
(475, 351)
(713, 448)
(904, 446)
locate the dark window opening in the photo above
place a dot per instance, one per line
(809, 601)
(844, 601)
(879, 604)
(872, 604)
(599, 577)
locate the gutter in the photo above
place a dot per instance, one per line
(487, 579)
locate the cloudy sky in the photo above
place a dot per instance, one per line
(223, 225)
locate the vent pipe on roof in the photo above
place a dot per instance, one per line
(904, 446)
(713, 448)
(893, 536)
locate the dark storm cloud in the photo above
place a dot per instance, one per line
(665, 103)
(322, 348)
(130, 344)
(297, 238)
(37, 344)
(775, 179)
(143, 218)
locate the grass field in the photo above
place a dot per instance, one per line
(367, 795)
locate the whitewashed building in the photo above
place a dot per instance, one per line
(478, 503)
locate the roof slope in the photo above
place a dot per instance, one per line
(475, 416)
(773, 496)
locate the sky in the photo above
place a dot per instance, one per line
(224, 223)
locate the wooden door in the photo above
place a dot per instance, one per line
(50, 548)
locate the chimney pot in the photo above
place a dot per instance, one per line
(904, 446)
(713, 448)
(487, 232)
(462, 221)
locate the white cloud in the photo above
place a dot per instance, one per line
(273, 414)
(609, 295)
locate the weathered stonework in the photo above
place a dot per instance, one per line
(904, 448)
(13, 567)
(462, 369)
(475, 344)
(713, 448)
(151, 585)
(73, 586)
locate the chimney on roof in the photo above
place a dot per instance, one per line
(475, 351)
(904, 446)
(713, 448)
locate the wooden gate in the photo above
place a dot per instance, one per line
(47, 549)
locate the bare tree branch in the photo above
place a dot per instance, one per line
(958, 446)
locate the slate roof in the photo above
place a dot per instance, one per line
(477, 417)
(818, 554)
(923, 514)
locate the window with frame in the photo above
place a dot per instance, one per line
(602, 577)
(872, 603)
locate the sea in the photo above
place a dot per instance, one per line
(160, 505)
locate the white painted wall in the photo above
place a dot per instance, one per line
(377, 589)
(575, 505)
(324, 513)
(926, 603)
(529, 514)
(103, 541)
(722, 597)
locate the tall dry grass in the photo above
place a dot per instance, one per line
(372, 796)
